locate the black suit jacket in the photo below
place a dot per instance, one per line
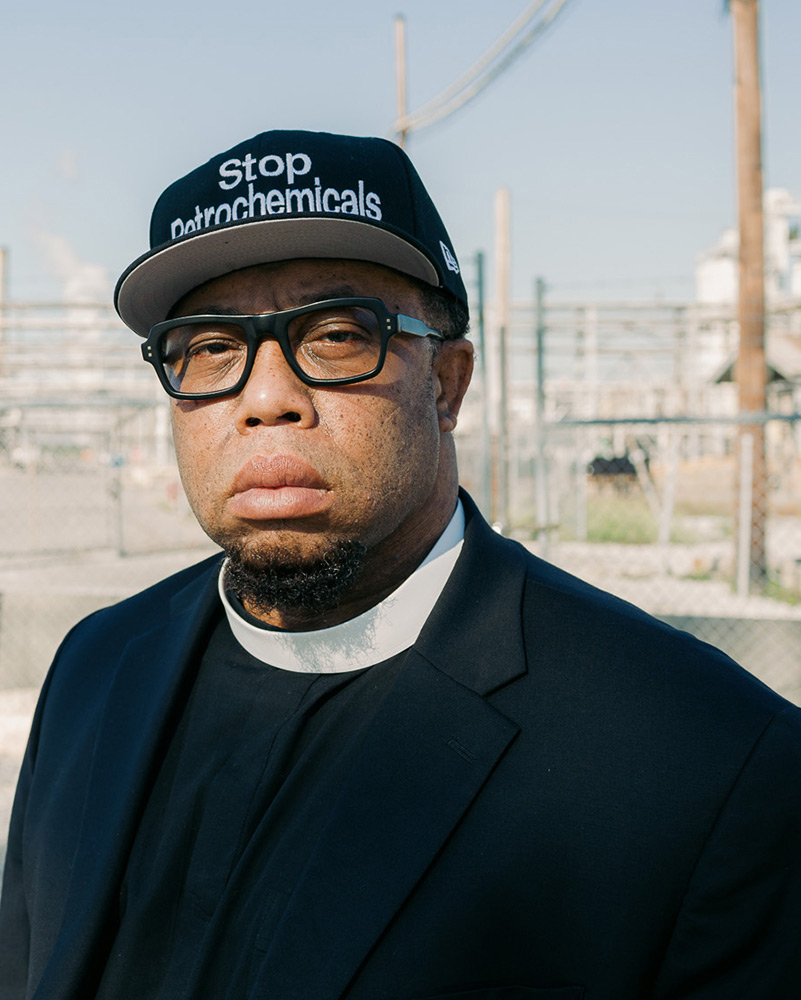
(560, 798)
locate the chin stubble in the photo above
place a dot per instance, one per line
(277, 581)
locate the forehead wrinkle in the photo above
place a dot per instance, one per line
(302, 299)
(343, 291)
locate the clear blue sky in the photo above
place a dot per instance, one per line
(614, 133)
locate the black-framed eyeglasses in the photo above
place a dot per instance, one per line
(334, 342)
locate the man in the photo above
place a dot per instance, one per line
(378, 751)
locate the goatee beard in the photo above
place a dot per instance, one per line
(273, 581)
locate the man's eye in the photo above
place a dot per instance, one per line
(208, 346)
(339, 334)
(188, 343)
(335, 333)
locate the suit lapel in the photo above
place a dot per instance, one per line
(474, 632)
(428, 752)
(426, 756)
(130, 741)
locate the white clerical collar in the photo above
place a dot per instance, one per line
(387, 629)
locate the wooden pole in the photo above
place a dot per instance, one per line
(499, 487)
(750, 368)
(480, 328)
(400, 76)
(543, 519)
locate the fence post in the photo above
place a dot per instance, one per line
(745, 485)
(668, 498)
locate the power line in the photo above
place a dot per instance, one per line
(498, 58)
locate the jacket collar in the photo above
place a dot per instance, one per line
(474, 633)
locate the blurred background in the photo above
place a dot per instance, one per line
(621, 424)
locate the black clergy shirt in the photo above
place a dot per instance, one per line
(246, 784)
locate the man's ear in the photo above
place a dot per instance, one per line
(453, 368)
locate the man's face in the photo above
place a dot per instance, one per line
(286, 473)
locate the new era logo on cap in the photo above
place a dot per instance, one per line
(450, 261)
(283, 195)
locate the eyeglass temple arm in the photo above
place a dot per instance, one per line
(416, 327)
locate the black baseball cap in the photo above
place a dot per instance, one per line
(283, 195)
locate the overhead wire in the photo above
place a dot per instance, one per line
(479, 66)
(514, 41)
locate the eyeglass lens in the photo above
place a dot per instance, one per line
(330, 343)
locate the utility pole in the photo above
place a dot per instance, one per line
(750, 368)
(400, 75)
(499, 411)
(541, 474)
(480, 328)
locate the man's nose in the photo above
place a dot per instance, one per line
(273, 394)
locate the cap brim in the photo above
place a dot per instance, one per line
(152, 285)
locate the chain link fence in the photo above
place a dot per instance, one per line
(92, 504)
(595, 467)
(93, 510)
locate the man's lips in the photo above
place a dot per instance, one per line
(276, 471)
(271, 487)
